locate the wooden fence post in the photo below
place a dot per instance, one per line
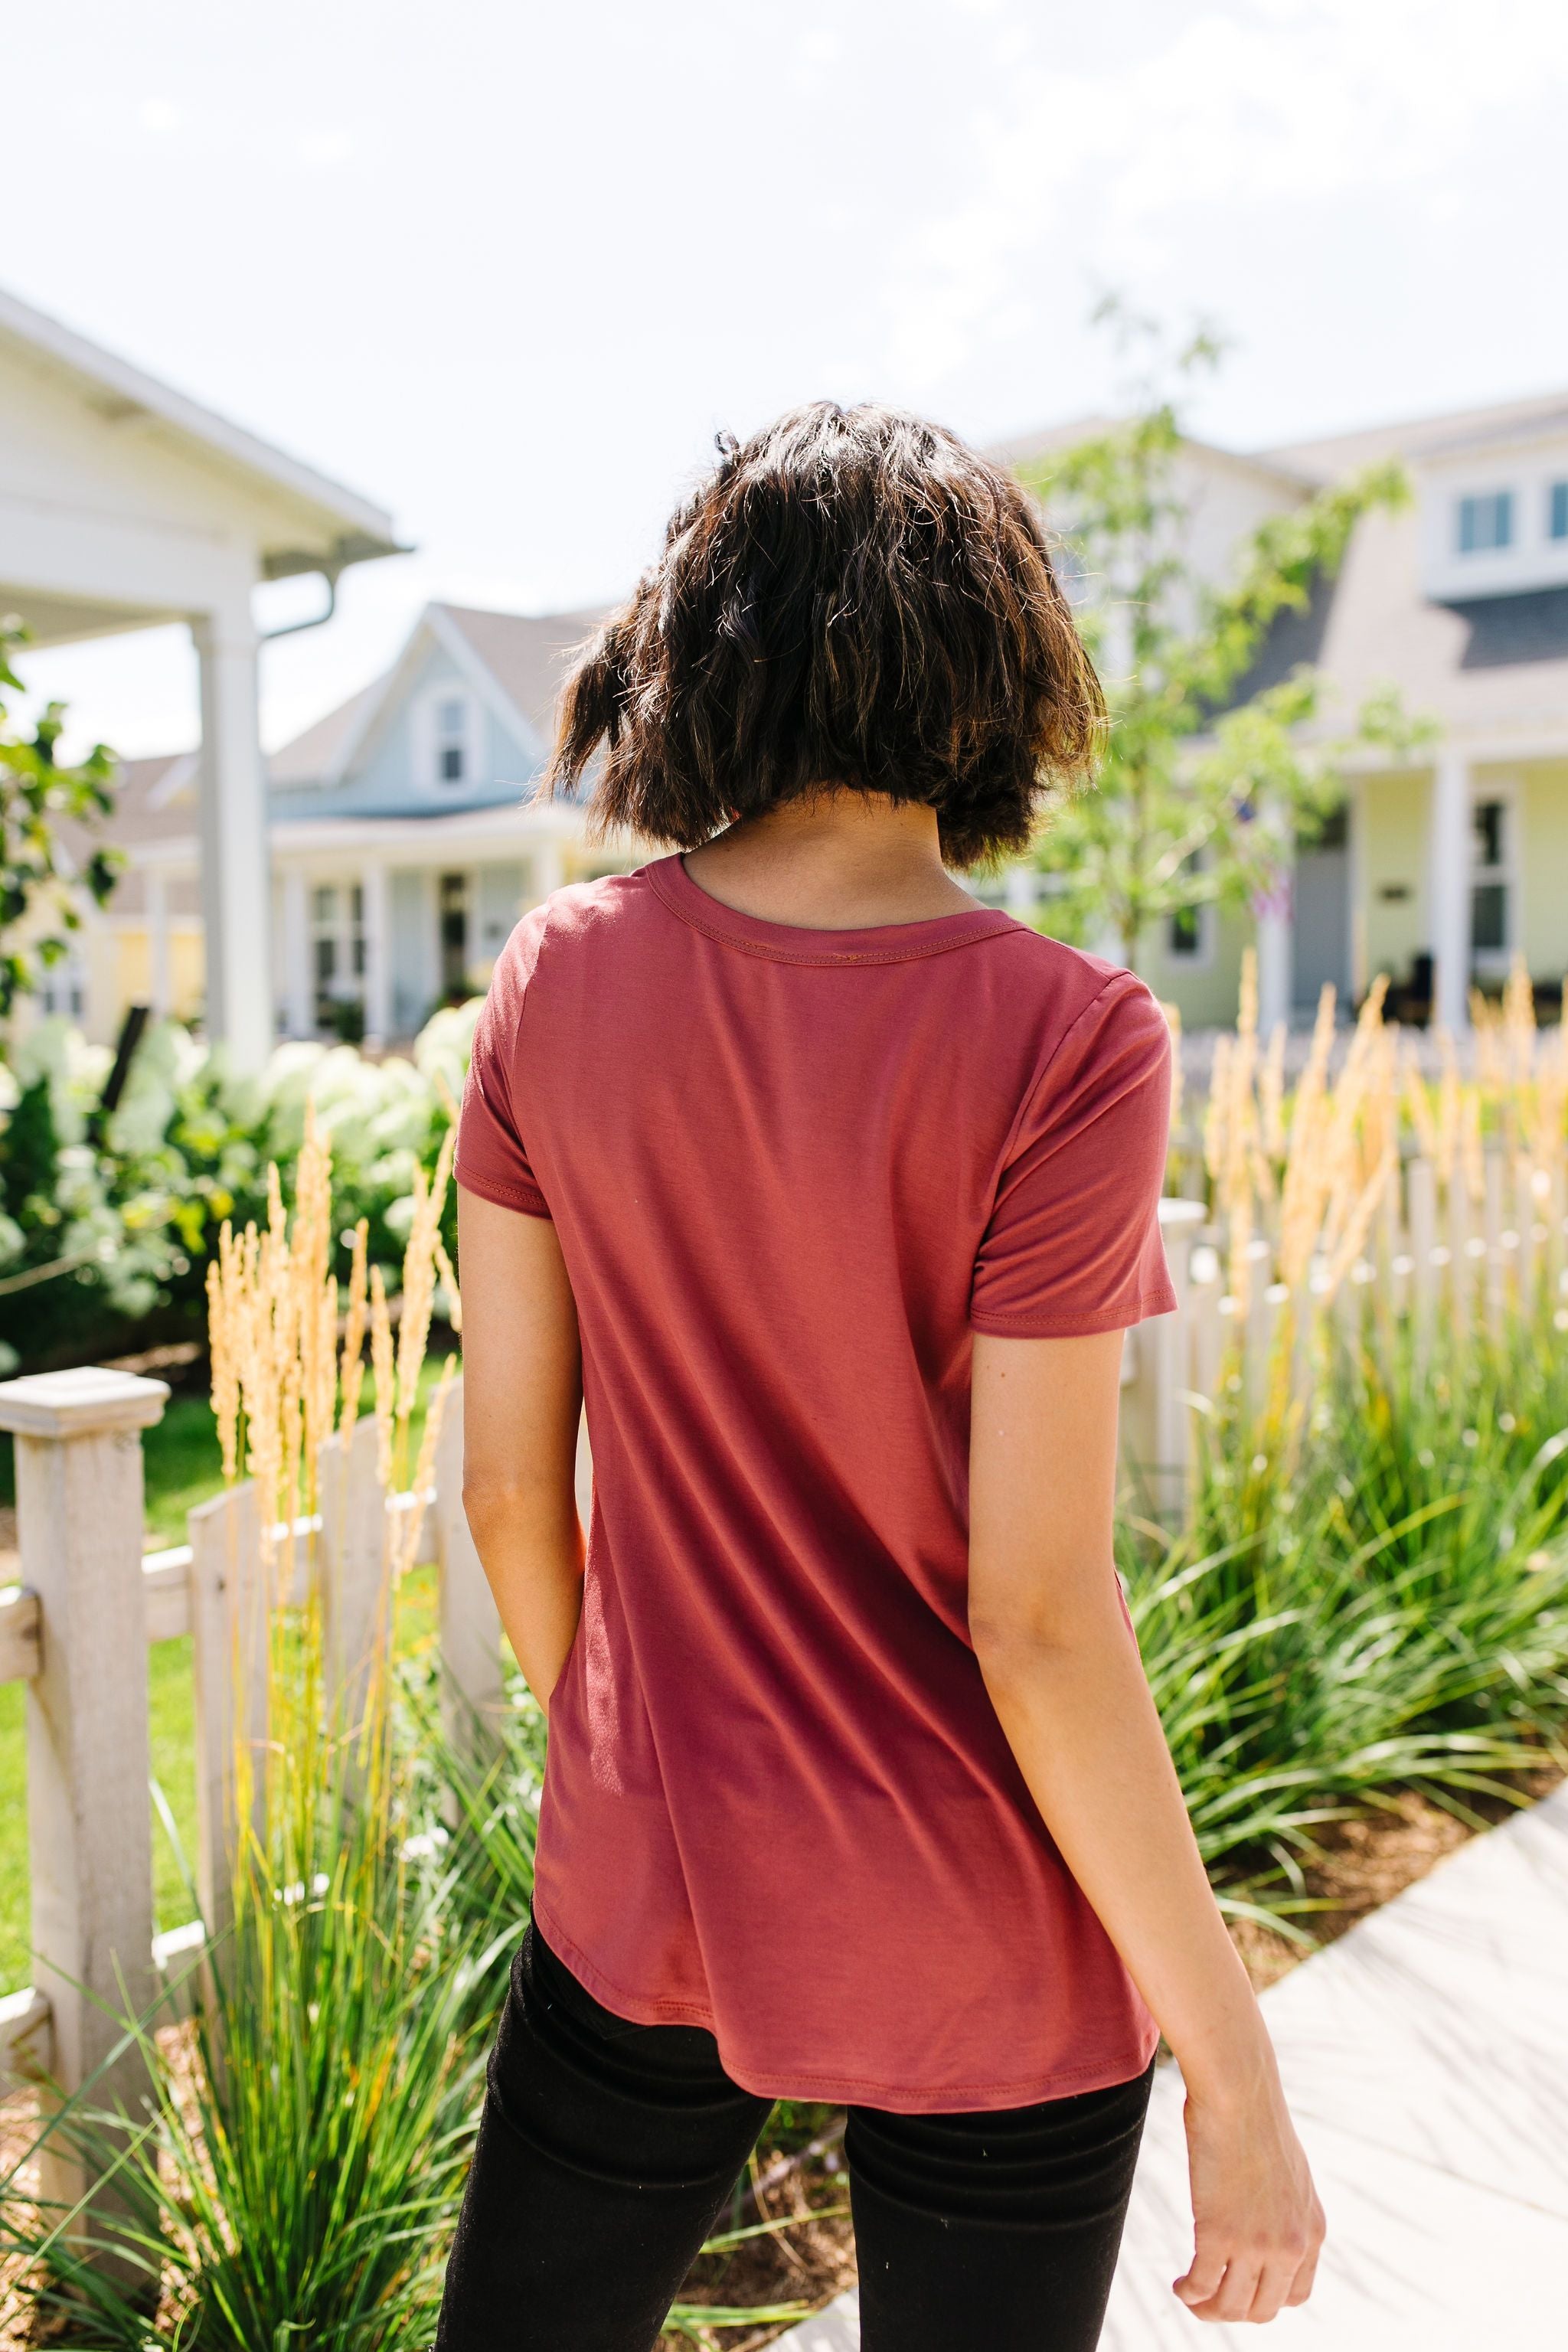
(1421, 1215)
(1157, 1408)
(1496, 1266)
(355, 1569)
(80, 1518)
(230, 1643)
(473, 1694)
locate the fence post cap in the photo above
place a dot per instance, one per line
(1181, 1212)
(79, 1402)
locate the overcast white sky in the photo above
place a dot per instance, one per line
(505, 267)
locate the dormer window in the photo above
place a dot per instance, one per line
(451, 739)
(1484, 522)
(1557, 511)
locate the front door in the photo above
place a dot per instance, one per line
(1323, 903)
(455, 955)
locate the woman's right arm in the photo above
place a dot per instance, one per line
(523, 1394)
(1065, 1678)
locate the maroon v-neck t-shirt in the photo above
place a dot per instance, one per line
(792, 1172)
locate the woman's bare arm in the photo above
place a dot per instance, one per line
(523, 1394)
(1065, 1678)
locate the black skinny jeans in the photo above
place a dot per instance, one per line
(607, 2151)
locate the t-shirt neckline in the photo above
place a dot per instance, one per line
(795, 943)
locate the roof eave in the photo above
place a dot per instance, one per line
(351, 522)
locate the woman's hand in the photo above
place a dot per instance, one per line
(1256, 2221)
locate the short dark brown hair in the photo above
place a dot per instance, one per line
(851, 597)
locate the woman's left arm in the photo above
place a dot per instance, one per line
(522, 1395)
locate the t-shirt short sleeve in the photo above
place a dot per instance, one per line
(491, 1157)
(1073, 1245)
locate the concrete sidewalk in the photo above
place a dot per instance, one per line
(1426, 2057)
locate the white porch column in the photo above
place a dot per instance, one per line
(377, 955)
(160, 987)
(236, 891)
(299, 973)
(549, 868)
(1275, 918)
(1022, 892)
(1448, 890)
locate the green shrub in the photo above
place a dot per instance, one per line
(121, 1214)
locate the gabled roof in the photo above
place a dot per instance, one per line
(316, 516)
(526, 655)
(1024, 449)
(155, 799)
(1424, 437)
(1491, 670)
(316, 755)
(515, 661)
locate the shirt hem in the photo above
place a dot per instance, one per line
(846, 2090)
(1075, 1327)
(495, 1188)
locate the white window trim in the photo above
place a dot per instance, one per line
(348, 986)
(1492, 963)
(427, 738)
(1462, 499)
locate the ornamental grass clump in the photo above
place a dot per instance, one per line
(1370, 1590)
(298, 2163)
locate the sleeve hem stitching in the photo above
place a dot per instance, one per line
(1148, 1302)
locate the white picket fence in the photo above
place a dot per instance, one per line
(76, 1630)
(77, 1627)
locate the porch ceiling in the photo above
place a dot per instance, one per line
(53, 620)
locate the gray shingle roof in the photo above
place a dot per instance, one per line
(526, 655)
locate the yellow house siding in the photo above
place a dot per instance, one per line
(131, 971)
(1207, 990)
(1543, 869)
(1393, 816)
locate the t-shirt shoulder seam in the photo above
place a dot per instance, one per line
(1043, 1072)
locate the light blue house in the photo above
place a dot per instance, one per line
(406, 833)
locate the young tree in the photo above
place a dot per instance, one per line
(1202, 795)
(40, 884)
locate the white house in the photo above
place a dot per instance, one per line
(1438, 870)
(407, 830)
(406, 834)
(123, 505)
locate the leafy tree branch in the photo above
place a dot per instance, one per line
(41, 885)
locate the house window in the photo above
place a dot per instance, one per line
(337, 948)
(1557, 511)
(1187, 928)
(1186, 932)
(62, 987)
(1491, 884)
(451, 740)
(1486, 522)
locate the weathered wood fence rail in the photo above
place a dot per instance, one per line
(77, 1627)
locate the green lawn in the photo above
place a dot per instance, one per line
(184, 1467)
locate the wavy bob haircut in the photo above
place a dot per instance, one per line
(851, 598)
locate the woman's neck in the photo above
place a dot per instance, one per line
(836, 861)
